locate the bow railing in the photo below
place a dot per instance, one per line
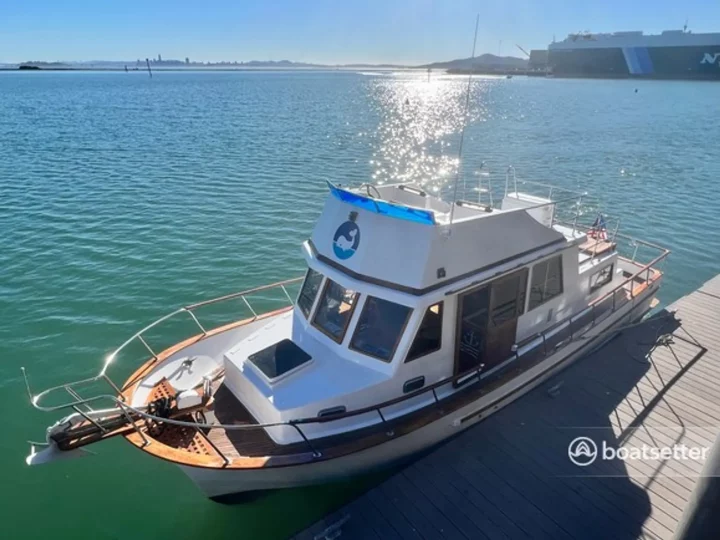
(189, 312)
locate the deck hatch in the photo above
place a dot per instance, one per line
(279, 359)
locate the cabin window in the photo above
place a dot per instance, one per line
(335, 310)
(379, 328)
(429, 336)
(507, 300)
(600, 278)
(546, 281)
(309, 291)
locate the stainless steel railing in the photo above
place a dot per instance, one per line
(71, 388)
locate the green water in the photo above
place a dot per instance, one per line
(122, 198)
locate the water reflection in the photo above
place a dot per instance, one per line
(419, 126)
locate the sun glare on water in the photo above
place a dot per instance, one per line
(420, 121)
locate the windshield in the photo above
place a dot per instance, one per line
(309, 291)
(379, 329)
(335, 310)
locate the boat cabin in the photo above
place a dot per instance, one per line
(404, 290)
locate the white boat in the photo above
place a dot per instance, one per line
(416, 319)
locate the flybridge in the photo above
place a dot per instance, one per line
(417, 243)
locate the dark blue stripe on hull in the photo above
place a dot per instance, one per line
(640, 62)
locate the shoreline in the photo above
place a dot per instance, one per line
(210, 68)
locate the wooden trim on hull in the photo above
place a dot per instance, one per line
(347, 443)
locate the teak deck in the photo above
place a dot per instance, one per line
(510, 476)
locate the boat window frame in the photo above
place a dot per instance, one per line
(521, 298)
(356, 301)
(398, 339)
(561, 279)
(609, 268)
(441, 313)
(317, 293)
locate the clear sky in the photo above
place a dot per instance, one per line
(323, 31)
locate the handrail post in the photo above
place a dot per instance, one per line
(147, 346)
(111, 383)
(146, 442)
(89, 419)
(194, 318)
(214, 447)
(292, 303)
(315, 453)
(577, 212)
(78, 398)
(617, 227)
(249, 307)
(390, 433)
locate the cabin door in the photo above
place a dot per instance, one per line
(487, 323)
(472, 324)
(507, 303)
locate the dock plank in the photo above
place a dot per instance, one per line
(509, 477)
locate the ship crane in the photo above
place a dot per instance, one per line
(523, 50)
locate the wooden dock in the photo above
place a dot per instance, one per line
(656, 384)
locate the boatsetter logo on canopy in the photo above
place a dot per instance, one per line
(346, 240)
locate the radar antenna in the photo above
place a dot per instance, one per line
(465, 118)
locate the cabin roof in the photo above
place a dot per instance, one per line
(388, 241)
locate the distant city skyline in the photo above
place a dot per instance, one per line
(405, 32)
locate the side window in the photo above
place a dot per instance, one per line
(546, 282)
(379, 328)
(600, 278)
(335, 309)
(507, 300)
(429, 336)
(309, 291)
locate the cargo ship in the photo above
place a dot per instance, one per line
(673, 54)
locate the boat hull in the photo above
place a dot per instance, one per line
(221, 482)
(680, 62)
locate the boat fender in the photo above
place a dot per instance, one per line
(188, 399)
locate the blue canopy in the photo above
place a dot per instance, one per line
(382, 207)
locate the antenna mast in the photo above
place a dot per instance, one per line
(465, 118)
